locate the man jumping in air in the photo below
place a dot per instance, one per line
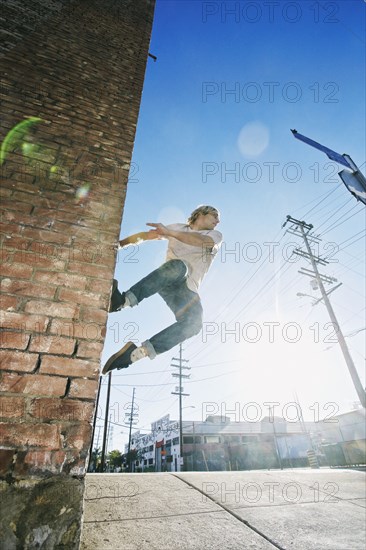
(191, 249)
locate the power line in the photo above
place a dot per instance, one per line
(334, 213)
(325, 195)
(342, 222)
(355, 235)
(246, 282)
(318, 219)
(355, 241)
(169, 384)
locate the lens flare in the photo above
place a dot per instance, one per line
(14, 138)
(82, 192)
(253, 139)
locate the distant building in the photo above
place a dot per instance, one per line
(220, 444)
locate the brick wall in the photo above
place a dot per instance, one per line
(78, 68)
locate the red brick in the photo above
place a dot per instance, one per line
(94, 315)
(81, 330)
(77, 437)
(8, 303)
(26, 193)
(11, 204)
(91, 270)
(64, 366)
(69, 410)
(85, 389)
(34, 462)
(96, 254)
(8, 227)
(87, 298)
(12, 407)
(55, 345)
(20, 435)
(24, 321)
(14, 340)
(90, 350)
(53, 251)
(33, 384)
(15, 242)
(80, 231)
(60, 214)
(17, 271)
(36, 260)
(46, 236)
(53, 309)
(100, 286)
(61, 279)
(4, 192)
(18, 360)
(26, 288)
(6, 256)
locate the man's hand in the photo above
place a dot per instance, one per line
(160, 229)
(152, 234)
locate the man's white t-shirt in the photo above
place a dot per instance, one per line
(197, 258)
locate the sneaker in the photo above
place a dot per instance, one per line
(120, 360)
(118, 299)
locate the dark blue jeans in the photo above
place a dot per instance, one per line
(169, 280)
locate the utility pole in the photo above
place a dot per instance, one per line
(179, 391)
(320, 278)
(102, 460)
(98, 436)
(94, 425)
(110, 432)
(130, 432)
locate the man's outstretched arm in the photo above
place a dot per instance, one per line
(138, 238)
(193, 238)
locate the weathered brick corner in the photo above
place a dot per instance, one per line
(72, 77)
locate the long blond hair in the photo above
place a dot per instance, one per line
(202, 209)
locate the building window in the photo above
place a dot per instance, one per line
(176, 441)
(232, 439)
(191, 439)
(249, 438)
(151, 461)
(212, 439)
(151, 448)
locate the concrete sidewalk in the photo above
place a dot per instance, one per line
(299, 509)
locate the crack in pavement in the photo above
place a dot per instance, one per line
(229, 511)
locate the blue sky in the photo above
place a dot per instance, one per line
(301, 66)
